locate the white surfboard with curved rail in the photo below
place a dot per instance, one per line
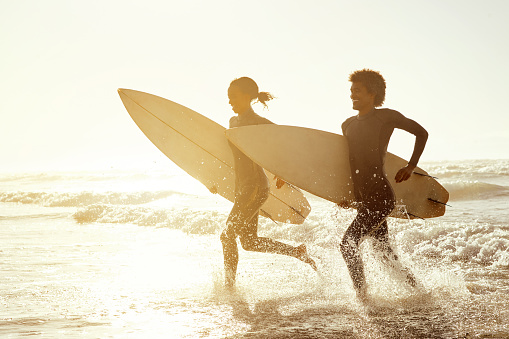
(317, 162)
(199, 146)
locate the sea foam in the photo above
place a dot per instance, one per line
(187, 220)
(475, 242)
(473, 190)
(76, 199)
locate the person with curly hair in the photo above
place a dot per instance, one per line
(368, 134)
(251, 188)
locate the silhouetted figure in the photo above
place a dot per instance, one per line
(368, 135)
(251, 188)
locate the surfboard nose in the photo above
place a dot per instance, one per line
(127, 96)
(125, 93)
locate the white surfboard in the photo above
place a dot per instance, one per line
(317, 162)
(198, 145)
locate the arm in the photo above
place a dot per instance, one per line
(421, 136)
(233, 122)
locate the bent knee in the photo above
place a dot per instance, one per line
(227, 236)
(249, 243)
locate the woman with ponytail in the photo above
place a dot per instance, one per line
(251, 188)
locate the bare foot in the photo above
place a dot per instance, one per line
(304, 256)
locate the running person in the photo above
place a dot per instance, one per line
(368, 135)
(251, 188)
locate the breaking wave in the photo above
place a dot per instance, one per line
(476, 242)
(472, 190)
(186, 220)
(471, 169)
(77, 199)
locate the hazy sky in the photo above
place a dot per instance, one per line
(445, 63)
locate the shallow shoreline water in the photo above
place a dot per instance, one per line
(137, 255)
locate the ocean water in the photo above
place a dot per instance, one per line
(136, 254)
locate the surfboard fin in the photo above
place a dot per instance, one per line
(269, 216)
(415, 216)
(402, 209)
(425, 175)
(439, 202)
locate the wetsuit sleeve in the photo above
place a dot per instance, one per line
(409, 125)
(233, 122)
(345, 124)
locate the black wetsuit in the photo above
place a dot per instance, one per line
(251, 191)
(368, 137)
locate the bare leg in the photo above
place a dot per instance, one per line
(243, 222)
(252, 242)
(304, 256)
(245, 206)
(230, 254)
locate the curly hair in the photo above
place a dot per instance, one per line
(249, 86)
(373, 81)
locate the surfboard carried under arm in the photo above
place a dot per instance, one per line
(317, 161)
(199, 146)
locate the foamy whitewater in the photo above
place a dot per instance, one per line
(136, 254)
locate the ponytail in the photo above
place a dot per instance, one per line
(263, 97)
